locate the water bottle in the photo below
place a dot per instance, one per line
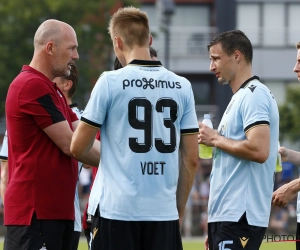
(205, 152)
(278, 161)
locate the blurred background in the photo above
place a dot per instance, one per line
(181, 30)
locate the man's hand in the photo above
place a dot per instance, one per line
(206, 135)
(284, 154)
(180, 222)
(283, 195)
(206, 246)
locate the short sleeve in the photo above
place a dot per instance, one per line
(96, 108)
(38, 100)
(189, 123)
(255, 108)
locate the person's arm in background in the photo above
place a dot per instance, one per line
(4, 178)
(283, 195)
(187, 170)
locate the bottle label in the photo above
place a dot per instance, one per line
(205, 152)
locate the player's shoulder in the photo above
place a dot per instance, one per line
(179, 77)
(254, 86)
(112, 74)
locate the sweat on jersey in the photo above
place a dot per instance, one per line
(143, 109)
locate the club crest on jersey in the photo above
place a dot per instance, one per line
(229, 106)
(150, 83)
(222, 129)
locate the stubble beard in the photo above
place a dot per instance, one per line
(60, 71)
(222, 81)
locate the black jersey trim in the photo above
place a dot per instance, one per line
(48, 104)
(73, 105)
(145, 63)
(189, 131)
(88, 122)
(5, 158)
(255, 124)
(244, 85)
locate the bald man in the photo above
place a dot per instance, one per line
(39, 199)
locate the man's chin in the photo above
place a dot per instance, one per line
(68, 72)
(222, 81)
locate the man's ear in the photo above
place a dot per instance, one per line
(237, 55)
(68, 85)
(150, 40)
(49, 48)
(119, 43)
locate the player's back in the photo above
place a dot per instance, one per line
(145, 110)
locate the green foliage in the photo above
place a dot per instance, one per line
(19, 19)
(290, 115)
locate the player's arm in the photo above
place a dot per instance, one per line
(290, 156)
(283, 195)
(255, 147)
(83, 140)
(187, 170)
(61, 134)
(4, 178)
(75, 125)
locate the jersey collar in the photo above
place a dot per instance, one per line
(33, 70)
(244, 85)
(145, 63)
(73, 105)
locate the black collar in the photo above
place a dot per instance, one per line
(247, 81)
(73, 105)
(145, 63)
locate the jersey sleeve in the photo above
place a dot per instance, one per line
(38, 100)
(4, 148)
(96, 108)
(255, 108)
(189, 122)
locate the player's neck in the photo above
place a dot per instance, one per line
(138, 54)
(69, 101)
(42, 67)
(242, 75)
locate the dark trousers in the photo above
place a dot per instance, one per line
(52, 234)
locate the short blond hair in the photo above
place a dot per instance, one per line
(298, 45)
(132, 25)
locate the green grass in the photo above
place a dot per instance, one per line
(198, 245)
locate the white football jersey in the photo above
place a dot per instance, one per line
(238, 185)
(142, 109)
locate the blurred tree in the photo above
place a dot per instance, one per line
(19, 19)
(289, 115)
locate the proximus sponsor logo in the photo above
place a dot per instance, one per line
(150, 84)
